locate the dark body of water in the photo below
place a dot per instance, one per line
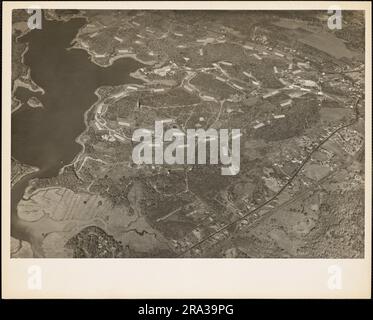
(45, 137)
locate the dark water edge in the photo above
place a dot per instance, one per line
(46, 137)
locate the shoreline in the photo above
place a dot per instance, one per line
(17, 178)
(33, 232)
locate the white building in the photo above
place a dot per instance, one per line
(259, 125)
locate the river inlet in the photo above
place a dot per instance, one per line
(46, 137)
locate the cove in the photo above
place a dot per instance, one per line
(45, 137)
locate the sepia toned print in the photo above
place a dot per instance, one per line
(287, 87)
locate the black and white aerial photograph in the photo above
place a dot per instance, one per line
(187, 134)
